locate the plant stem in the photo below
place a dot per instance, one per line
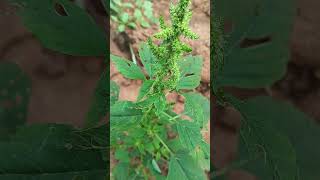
(164, 144)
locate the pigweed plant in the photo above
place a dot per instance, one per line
(149, 139)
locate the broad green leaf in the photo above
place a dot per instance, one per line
(148, 59)
(301, 130)
(124, 113)
(74, 33)
(100, 102)
(189, 134)
(197, 107)
(183, 167)
(257, 48)
(200, 157)
(145, 89)
(190, 69)
(15, 90)
(127, 68)
(48, 152)
(269, 151)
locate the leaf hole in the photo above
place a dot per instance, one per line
(249, 42)
(60, 10)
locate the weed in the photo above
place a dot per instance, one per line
(147, 135)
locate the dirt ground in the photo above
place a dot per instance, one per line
(62, 86)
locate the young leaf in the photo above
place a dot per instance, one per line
(145, 88)
(148, 59)
(190, 69)
(199, 111)
(74, 33)
(15, 90)
(183, 167)
(127, 68)
(257, 49)
(156, 166)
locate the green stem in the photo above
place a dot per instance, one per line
(164, 144)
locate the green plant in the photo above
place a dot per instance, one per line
(53, 151)
(132, 13)
(276, 141)
(147, 135)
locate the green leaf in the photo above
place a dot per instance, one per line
(148, 59)
(122, 155)
(156, 166)
(132, 25)
(75, 33)
(257, 49)
(301, 130)
(15, 90)
(190, 69)
(121, 171)
(189, 134)
(124, 113)
(137, 14)
(121, 28)
(268, 151)
(125, 17)
(145, 89)
(114, 92)
(100, 103)
(183, 167)
(48, 152)
(127, 68)
(144, 23)
(197, 107)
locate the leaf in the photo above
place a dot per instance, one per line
(122, 155)
(125, 17)
(121, 28)
(121, 171)
(15, 90)
(257, 49)
(156, 166)
(124, 113)
(148, 59)
(137, 14)
(114, 92)
(100, 103)
(270, 152)
(190, 69)
(197, 107)
(183, 167)
(189, 134)
(74, 33)
(48, 152)
(145, 89)
(127, 68)
(301, 130)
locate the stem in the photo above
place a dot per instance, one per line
(164, 144)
